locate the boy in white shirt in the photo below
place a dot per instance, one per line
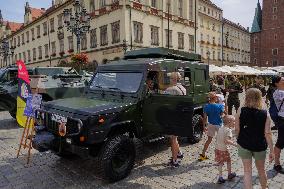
(223, 140)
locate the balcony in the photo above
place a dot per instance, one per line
(102, 11)
(114, 6)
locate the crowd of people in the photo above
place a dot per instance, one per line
(251, 125)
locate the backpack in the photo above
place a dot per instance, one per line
(273, 110)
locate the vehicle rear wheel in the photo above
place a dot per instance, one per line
(117, 158)
(197, 129)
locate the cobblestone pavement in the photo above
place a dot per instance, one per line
(49, 171)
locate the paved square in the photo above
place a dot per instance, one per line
(49, 171)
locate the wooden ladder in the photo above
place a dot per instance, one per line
(27, 136)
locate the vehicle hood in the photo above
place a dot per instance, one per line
(84, 106)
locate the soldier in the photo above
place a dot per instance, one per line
(258, 84)
(234, 88)
(176, 89)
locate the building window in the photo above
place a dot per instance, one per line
(169, 39)
(93, 38)
(46, 50)
(44, 28)
(34, 53)
(255, 39)
(154, 35)
(275, 36)
(275, 51)
(39, 52)
(201, 37)
(84, 42)
(53, 48)
(103, 35)
(23, 39)
(154, 3)
(208, 39)
(274, 63)
(92, 6)
(20, 56)
(51, 25)
(28, 36)
(19, 41)
(33, 33)
(274, 10)
(274, 17)
(138, 32)
(180, 40)
(102, 3)
(70, 43)
(60, 22)
(29, 55)
(190, 9)
(38, 31)
(115, 32)
(180, 10)
(24, 56)
(191, 42)
(213, 27)
(213, 41)
(61, 45)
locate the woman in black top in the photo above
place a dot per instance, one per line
(254, 136)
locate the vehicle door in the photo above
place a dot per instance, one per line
(166, 113)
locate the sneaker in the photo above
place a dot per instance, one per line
(279, 169)
(202, 157)
(173, 164)
(232, 176)
(180, 156)
(221, 180)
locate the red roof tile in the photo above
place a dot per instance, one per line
(13, 25)
(36, 13)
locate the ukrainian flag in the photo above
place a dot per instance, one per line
(24, 90)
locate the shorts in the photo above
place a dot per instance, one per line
(222, 157)
(280, 139)
(212, 130)
(246, 154)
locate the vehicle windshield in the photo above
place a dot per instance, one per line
(2, 72)
(122, 81)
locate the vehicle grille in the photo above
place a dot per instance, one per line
(52, 126)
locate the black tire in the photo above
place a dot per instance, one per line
(117, 158)
(197, 129)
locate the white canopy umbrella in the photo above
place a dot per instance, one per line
(216, 70)
(269, 72)
(234, 70)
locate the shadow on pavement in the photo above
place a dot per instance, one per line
(7, 124)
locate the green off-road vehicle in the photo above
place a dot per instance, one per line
(126, 102)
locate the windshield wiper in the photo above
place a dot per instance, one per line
(115, 88)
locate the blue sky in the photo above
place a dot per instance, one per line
(239, 11)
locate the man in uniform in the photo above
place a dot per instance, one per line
(175, 89)
(258, 84)
(234, 88)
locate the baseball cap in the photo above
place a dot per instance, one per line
(274, 80)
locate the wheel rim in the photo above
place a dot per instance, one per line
(121, 159)
(197, 129)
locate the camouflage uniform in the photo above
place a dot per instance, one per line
(233, 98)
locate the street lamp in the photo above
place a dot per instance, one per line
(79, 23)
(208, 56)
(5, 51)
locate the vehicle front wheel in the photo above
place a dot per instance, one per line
(117, 158)
(197, 129)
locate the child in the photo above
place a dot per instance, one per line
(222, 155)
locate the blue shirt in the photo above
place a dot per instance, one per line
(214, 112)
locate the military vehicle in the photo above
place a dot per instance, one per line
(51, 82)
(120, 108)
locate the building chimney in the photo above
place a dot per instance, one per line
(43, 9)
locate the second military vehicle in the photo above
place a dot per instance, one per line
(127, 101)
(51, 82)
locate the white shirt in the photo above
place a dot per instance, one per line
(221, 99)
(278, 97)
(177, 89)
(222, 135)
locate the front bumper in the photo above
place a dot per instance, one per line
(44, 141)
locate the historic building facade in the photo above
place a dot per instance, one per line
(267, 40)
(115, 25)
(221, 41)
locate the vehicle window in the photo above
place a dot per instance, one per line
(200, 76)
(123, 82)
(187, 77)
(152, 82)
